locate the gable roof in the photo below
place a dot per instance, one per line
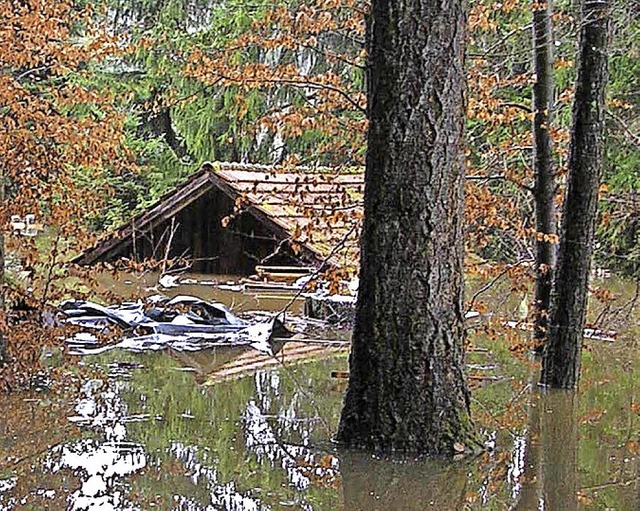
(317, 208)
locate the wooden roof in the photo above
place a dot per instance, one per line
(319, 209)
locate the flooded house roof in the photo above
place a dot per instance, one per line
(315, 210)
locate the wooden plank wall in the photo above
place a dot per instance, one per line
(200, 236)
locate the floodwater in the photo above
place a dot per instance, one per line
(229, 429)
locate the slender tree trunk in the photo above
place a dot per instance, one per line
(545, 185)
(561, 361)
(161, 126)
(2, 256)
(3, 340)
(158, 124)
(407, 388)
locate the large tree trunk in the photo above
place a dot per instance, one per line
(561, 361)
(407, 388)
(545, 185)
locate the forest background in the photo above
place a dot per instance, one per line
(105, 106)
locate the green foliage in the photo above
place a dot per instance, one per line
(619, 232)
(180, 115)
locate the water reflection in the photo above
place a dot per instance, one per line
(100, 465)
(100, 468)
(301, 464)
(224, 496)
(206, 364)
(153, 436)
(551, 470)
(380, 484)
(538, 472)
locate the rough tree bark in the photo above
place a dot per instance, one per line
(562, 353)
(545, 184)
(407, 388)
(3, 342)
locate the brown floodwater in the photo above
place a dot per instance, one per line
(220, 288)
(229, 429)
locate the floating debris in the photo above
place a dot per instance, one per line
(589, 333)
(183, 323)
(168, 281)
(8, 484)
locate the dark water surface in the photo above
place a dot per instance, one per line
(181, 432)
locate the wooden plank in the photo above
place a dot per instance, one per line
(283, 273)
(267, 286)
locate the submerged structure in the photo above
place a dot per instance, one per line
(229, 217)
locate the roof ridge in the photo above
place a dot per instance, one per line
(262, 167)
